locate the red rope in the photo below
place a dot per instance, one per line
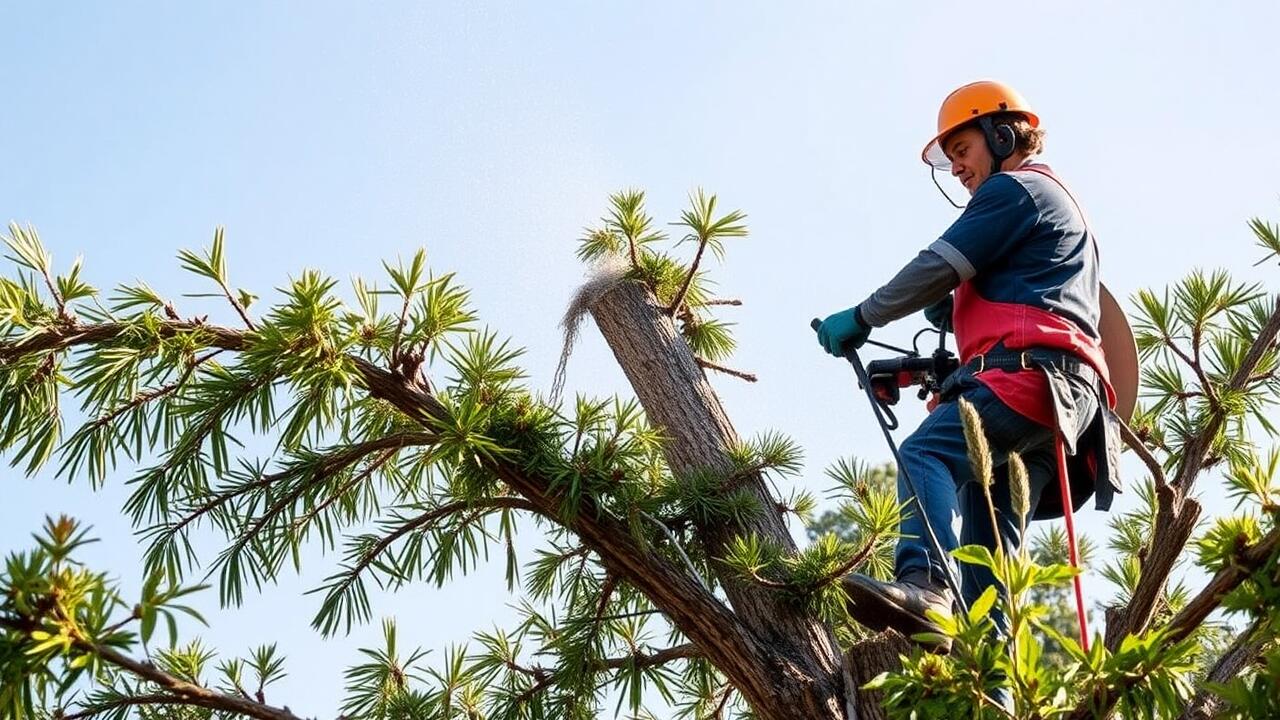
(1071, 538)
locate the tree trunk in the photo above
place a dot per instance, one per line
(802, 673)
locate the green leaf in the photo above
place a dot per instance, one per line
(982, 606)
(975, 555)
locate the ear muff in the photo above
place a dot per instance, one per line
(1001, 139)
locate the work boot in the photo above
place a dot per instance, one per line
(899, 605)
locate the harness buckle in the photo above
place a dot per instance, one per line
(1024, 359)
(982, 362)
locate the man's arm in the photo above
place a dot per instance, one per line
(923, 281)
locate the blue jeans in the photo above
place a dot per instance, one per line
(935, 457)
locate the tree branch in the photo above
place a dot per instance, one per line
(688, 279)
(1244, 651)
(346, 487)
(1194, 613)
(188, 693)
(1196, 366)
(129, 701)
(147, 396)
(645, 660)
(1226, 580)
(497, 503)
(1144, 453)
(707, 364)
(1177, 512)
(333, 464)
(691, 607)
(849, 565)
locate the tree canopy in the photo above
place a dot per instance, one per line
(663, 566)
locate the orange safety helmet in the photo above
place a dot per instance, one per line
(969, 103)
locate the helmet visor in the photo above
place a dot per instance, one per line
(935, 157)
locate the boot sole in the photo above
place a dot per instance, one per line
(879, 613)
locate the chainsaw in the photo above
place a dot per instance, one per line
(889, 376)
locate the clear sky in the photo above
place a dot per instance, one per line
(334, 135)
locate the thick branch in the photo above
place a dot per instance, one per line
(1227, 579)
(1177, 512)
(1243, 652)
(718, 633)
(1175, 522)
(1194, 613)
(62, 338)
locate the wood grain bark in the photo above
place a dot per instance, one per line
(803, 675)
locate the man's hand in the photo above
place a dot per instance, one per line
(840, 329)
(939, 314)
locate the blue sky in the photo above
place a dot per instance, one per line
(334, 135)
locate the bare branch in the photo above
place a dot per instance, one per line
(644, 660)
(1142, 451)
(707, 364)
(688, 279)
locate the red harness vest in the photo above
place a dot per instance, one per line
(981, 324)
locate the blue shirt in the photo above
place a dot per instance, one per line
(1022, 239)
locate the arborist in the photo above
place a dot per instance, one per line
(1016, 277)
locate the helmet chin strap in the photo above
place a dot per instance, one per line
(933, 173)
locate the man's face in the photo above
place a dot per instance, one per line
(969, 156)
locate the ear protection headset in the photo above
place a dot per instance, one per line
(1001, 141)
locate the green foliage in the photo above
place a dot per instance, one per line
(627, 233)
(1193, 338)
(422, 491)
(990, 675)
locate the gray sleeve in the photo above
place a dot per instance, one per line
(925, 280)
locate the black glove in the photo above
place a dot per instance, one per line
(939, 314)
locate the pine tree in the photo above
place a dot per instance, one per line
(664, 566)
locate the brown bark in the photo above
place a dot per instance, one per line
(1178, 512)
(801, 673)
(868, 659)
(1243, 652)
